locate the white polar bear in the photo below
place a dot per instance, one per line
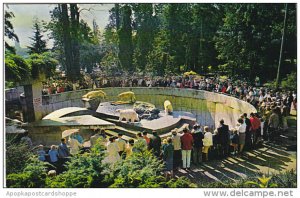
(128, 114)
(168, 107)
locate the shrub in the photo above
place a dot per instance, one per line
(290, 82)
(33, 176)
(83, 171)
(17, 155)
(143, 170)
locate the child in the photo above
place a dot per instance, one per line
(41, 153)
(53, 154)
(234, 141)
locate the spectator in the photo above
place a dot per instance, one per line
(26, 140)
(74, 145)
(224, 134)
(273, 124)
(129, 147)
(63, 150)
(186, 148)
(248, 134)
(145, 136)
(177, 149)
(78, 137)
(121, 145)
(255, 127)
(155, 144)
(235, 141)
(140, 141)
(112, 152)
(41, 153)
(53, 154)
(168, 152)
(207, 142)
(241, 129)
(95, 137)
(198, 144)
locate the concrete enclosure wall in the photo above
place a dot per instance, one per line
(208, 107)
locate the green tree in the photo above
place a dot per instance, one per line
(290, 82)
(75, 36)
(64, 26)
(146, 26)
(201, 51)
(17, 156)
(248, 38)
(91, 55)
(39, 45)
(125, 39)
(9, 31)
(91, 51)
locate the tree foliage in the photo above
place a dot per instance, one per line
(83, 171)
(33, 175)
(205, 38)
(125, 39)
(42, 64)
(17, 156)
(249, 38)
(17, 68)
(38, 45)
(143, 170)
(9, 31)
(290, 82)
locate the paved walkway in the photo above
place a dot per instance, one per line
(269, 159)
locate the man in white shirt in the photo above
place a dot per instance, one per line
(121, 145)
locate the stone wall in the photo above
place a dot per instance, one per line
(208, 107)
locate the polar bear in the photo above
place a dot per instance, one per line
(168, 107)
(95, 94)
(128, 114)
(127, 96)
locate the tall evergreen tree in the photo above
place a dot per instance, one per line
(146, 27)
(39, 44)
(125, 39)
(66, 35)
(75, 33)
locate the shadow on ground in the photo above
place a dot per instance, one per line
(269, 158)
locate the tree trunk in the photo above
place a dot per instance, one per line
(64, 19)
(281, 48)
(75, 38)
(117, 9)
